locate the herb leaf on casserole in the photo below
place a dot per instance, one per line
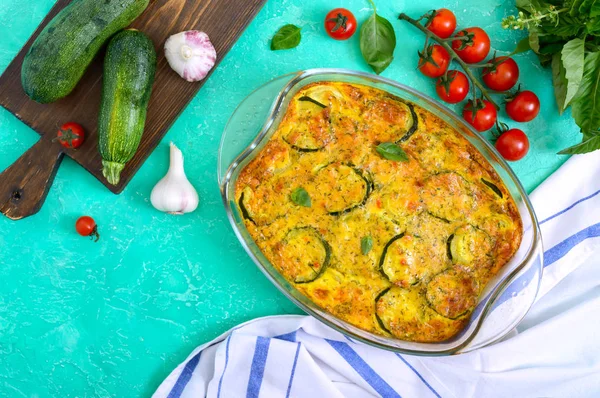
(300, 197)
(391, 151)
(286, 37)
(366, 244)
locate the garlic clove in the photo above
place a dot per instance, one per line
(174, 194)
(190, 54)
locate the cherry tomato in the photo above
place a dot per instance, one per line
(474, 50)
(523, 107)
(86, 226)
(340, 24)
(503, 75)
(484, 118)
(70, 135)
(454, 89)
(513, 144)
(443, 23)
(435, 62)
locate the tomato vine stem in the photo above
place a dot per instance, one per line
(453, 56)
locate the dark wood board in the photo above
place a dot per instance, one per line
(24, 185)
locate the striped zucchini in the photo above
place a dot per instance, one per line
(63, 51)
(129, 69)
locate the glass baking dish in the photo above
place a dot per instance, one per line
(507, 297)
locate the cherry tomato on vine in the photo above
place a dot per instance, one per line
(513, 144)
(524, 106)
(86, 226)
(453, 89)
(340, 24)
(475, 49)
(435, 61)
(503, 75)
(70, 135)
(480, 114)
(442, 23)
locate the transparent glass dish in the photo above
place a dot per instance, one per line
(507, 297)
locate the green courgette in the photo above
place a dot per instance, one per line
(65, 48)
(129, 69)
(309, 251)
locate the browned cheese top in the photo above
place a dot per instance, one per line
(400, 248)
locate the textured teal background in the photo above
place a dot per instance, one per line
(113, 318)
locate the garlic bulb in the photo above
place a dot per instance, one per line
(174, 194)
(190, 54)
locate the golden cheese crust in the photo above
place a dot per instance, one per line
(395, 248)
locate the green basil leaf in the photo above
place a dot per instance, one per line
(366, 244)
(534, 40)
(287, 37)
(300, 197)
(391, 151)
(586, 146)
(377, 42)
(595, 9)
(560, 82)
(572, 59)
(586, 107)
(522, 46)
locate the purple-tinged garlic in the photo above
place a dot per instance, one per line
(190, 54)
(174, 194)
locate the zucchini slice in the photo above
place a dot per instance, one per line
(404, 261)
(448, 196)
(305, 254)
(379, 321)
(452, 293)
(470, 246)
(413, 128)
(493, 187)
(393, 119)
(342, 188)
(243, 208)
(400, 312)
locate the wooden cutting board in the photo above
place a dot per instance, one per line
(25, 184)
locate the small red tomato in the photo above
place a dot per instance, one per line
(70, 135)
(453, 89)
(435, 62)
(484, 117)
(86, 226)
(442, 23)
(475, 49)
(503, 75)
(340, 24)
(523, 106)
(513, 144)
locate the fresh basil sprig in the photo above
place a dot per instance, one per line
(287, 37)
(566, 36)
(391, 151)
(300, 197)
(366, 244)
(377, 41)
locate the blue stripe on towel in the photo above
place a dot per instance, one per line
(185, 376)
(560, 250)
(570, 207)
(257, 371)
(224, 367)
(418, 374)
(288, 336)
(363, 369)
(287, 395)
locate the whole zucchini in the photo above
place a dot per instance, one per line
(63, 51)
(129, 69)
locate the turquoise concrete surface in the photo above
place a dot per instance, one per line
(113, 318)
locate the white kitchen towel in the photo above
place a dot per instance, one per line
(555, 352)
